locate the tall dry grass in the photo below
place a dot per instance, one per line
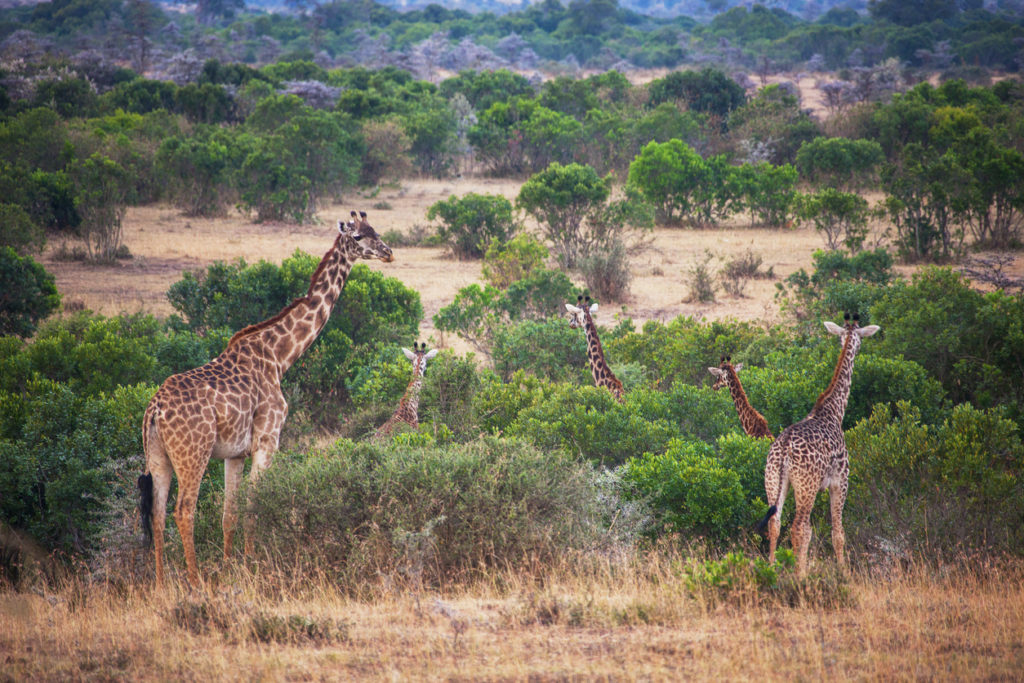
(633, 619)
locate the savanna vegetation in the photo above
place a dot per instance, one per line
(525, 487)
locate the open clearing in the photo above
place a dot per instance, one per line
(164, 244)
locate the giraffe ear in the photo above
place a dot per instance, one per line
(868, 331)
(571, 308)
(717, 372)
(737, 367)
(833, 328)
(408, 354)
(593, 308)
(430, 354)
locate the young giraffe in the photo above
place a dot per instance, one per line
(753, 422)
(408, 408)
(811, 455)
(581, 317)
(233, 407)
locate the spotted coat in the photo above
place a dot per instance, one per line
(232, 407)
(752, 421)
(603, 375)
(407, 411)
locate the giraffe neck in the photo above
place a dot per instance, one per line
(831, 405)
(409, 406)
(603, 375)
(753, 422)
(286, 336)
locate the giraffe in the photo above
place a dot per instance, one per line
(232, 407)
(408, 407)
(582, 317)
(811, 455)
(753, 422)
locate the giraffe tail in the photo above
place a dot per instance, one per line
(146, 506)
(764, 522)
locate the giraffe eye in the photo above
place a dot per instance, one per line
(357, 237)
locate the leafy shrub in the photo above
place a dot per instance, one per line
(949, 487)
(839, 163)
(29, 293)
(19, 231)
(469, 224)
(841, 217)
(499, 402)
(511, 261)
(607, 273)
(425, 515)
(64, 457)
(689, 491)
(702, 281)
(839, 283)
(736, 272)
(449, 388)
(546, 348)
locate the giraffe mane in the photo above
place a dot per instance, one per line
(835, 374)
(276, 318)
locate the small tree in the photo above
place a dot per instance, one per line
(841, 217)
(19, 231)
(563, 199)
(668, 174)
(27, 293)
(771, 193)
(508, 262)
(103, 190)
(470, 224)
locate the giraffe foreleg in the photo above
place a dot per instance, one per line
(265, 439)
(233, 468)
(837, 499)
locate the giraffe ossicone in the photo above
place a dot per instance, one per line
(811, 456)
(232, 407)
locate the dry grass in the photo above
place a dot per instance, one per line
(164, 244)
(635, 623)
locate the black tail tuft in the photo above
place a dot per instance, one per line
(764, 522)
(146, 506)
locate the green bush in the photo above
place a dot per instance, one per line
(690, 491)
(29, 293)
(449, 389)
(545, 348)
(947, 487)
(471, 223)
(426, 516)
(19, 231)
(65, 458)
(511, 261)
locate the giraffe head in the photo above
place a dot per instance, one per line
(721, 373)
(850, 329)
(419, 357)
(579, 312)
(368, 244)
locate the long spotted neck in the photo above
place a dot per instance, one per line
(603, 375)
(753, 422)
(831, 404)
(286, 336)
(409, 406)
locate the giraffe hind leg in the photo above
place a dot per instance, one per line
(837, 499)
(801, 532)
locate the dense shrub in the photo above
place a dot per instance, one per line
(448, 392)
(426, 516)
(946, 487)
(546, 348)
(29, 293)
(511, 261)
(471, 223)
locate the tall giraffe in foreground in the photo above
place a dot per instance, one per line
(582, 317)
(811, 455)
(753, 422)
(233, 407)
(408, 408)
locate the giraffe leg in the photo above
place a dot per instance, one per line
(775, 523)
(232, 478)
(801, 532)
(837, 499)
(161, 472)
(266, 435)
(159, 467)
(775, 484)
(184, 515)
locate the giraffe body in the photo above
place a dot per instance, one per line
(753, 422)
(232, 407)
(811, 456)
(603, 375)
(408, 408)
